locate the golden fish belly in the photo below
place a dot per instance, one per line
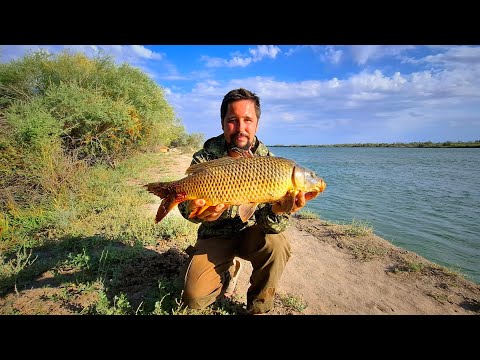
(259, 180)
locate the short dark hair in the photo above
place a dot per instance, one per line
(239, 94)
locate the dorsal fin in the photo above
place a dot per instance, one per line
(196, 168)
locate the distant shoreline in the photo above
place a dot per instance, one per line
(428, 144)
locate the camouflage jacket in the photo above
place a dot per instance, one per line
(229, 222)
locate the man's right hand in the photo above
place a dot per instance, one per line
(212, 213)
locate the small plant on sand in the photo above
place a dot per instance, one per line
(359, 228)
(366, 251)
(11, 268)
(120, 306)
(77, 262)
(408, 266)
(441, 298)
(293, 302)
(307, 214)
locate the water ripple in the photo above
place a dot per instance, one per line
(424, 200)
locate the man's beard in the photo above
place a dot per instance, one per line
(232, 146)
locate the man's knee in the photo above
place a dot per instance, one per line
(202, 285)
(197, 302)
(278, 245)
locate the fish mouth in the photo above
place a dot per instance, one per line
(315, 191)
(311, 195)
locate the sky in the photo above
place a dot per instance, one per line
(314, 94)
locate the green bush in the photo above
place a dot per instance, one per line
(98, 126)
(58, 110)
(32, 124)
(97, 108)
(189, 141)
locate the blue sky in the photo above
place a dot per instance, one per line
(315, 94)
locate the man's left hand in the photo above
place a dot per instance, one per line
(300, 202)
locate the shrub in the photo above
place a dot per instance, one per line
(97, 108)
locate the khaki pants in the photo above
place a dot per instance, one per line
(206, 273)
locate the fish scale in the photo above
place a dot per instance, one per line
(244, 181)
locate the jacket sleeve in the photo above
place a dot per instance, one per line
(270, 222)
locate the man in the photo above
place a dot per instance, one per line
(222, 235)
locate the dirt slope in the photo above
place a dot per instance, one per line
(332, 273)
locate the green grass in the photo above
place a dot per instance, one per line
(10, 268)
(359, 228)
(89, 239)
(119, 306)
(356, 238)
(93, 237)
(92, 232)
(307, 214)
(441, 298)
(92, 247)
(366, 251)
(293, 302)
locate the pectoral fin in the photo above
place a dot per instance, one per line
(199, 210)
(246, 211)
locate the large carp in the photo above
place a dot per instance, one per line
(244, 181)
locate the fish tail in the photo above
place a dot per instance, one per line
(161, 189)
(169, 194)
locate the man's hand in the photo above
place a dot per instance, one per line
(300, 202)
(212, 213)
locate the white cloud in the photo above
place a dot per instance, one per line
(262, 51)
(455, 56)
(212, 62)
(367, 96)
(334, 83)
(377, 81)
(15, 52)
(396, 107)
(288, 117)
(332, 55)
(133, 54)
(171, 73)
(145, 53)
(374, 105)
(293, 50)
(239, 60)
(363, 53)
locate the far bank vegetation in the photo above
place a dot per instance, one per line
(416, 144)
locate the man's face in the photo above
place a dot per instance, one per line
(240, 124)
